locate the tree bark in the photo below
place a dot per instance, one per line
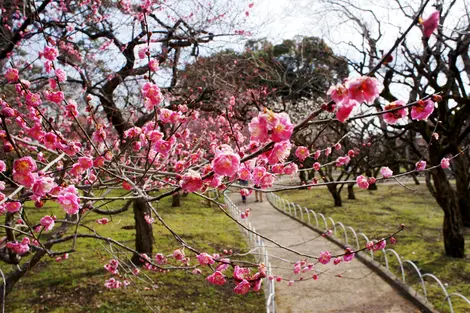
(462, 180)
(336, 195)
(454, 242)
(175, 200)
(143, 231)
(351, 195)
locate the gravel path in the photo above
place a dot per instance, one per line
(358, 291)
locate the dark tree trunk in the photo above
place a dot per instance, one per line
(143, 231)
(462, 180)
(175, 200)
(447, 199)
(336, 195)
(351, 195)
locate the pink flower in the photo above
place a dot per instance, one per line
(112, 283)
(26, 180)
(12, 75)
(33, 99)
(205, 259)
(340, 161)
(302, 153)
(240, 273)
(152, 94)
(280, 152)
(54, 96)
(258, 128)
(386, 172)
(191, 181)
(316, 166)
(244, 173)
(338, 93)
(431, 24)
(393, 117)
(68, 199)
(153, 65)
(267, 180)
(217, 278)
(161, 259)
(24, 165)
(344, 110)
(291, 169)
(421, 165)
(362, 182)
(3, 166)
(337, 260)
(317, 154)
(61, 75)
(48, 222)
(283, 129)
(364, 89)
(325, 257)
(242, 288)
(226, 163)
(50, 53)
(102, 221)
(43, 185)
(165, 115)
(380, 245)
(422, 110)
(258, 173)
(349, 255)
(13, 207)
(445, 163)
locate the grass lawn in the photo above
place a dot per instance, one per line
(380, 212)
(77, 285)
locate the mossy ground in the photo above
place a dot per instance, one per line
(76, 285)
(378, 213)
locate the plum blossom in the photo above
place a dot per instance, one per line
(445, 163)
(24, 165)
(12, 75)
(420, 165)
(280, 152)
(422, 110)
(205, 259)
(50, 53)
(338, 93)
(291, 169)
(302, 153)
(47, 222)
(430, 24)
(19, 247)
(386, 172)
(217, 278)
(43, 185)
(348, 255)
(362, 182)
(345, 109)
(394, 116)
(152, 94)
(68, 199)
(3, 166)
(282, 129)
(364, 89)
(325, 257)
(242, 288)
(102, 221)
(258, 128)
(226, 162)
(112, 283)
(13, 207)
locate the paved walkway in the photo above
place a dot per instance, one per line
(359, 291)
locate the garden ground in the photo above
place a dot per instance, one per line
(380, 212)
(77, 284)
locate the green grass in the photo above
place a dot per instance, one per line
(76, 285)
(378, 213)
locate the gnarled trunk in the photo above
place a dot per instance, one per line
(454, 241)
(175, 200)
(143, 231)
(351, 195)
(462, 180)
(336, 195)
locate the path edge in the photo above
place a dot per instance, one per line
(406, 291)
